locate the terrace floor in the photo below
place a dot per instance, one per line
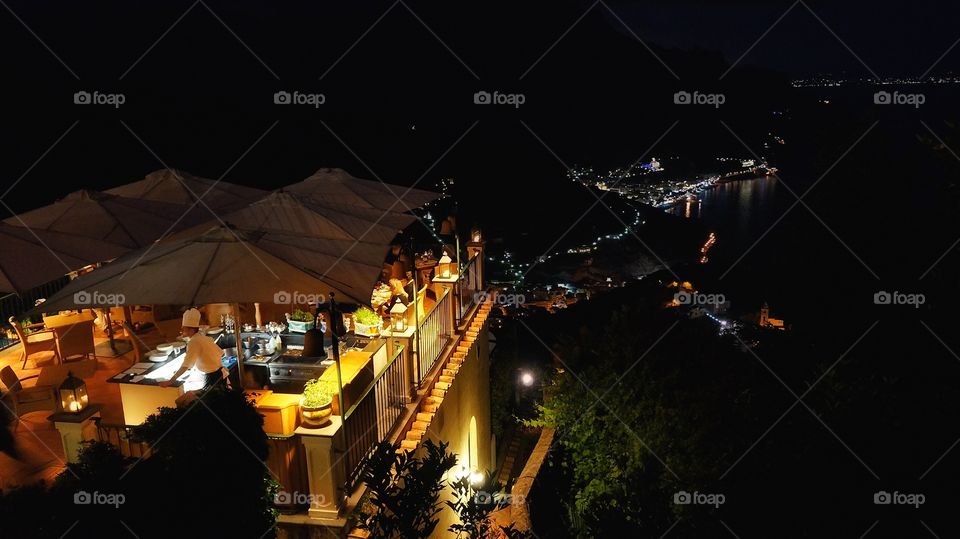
(37, 440)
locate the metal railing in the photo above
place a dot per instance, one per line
(374, 415)
(17, 304)
(468, 289)
(121, 436)
(433, 335)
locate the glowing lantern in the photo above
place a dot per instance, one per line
(73, 394)
(446, 266)
(398, 316)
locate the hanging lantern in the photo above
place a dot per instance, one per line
(398, 317)
(446, 267)
(475, 235)
(73, 394)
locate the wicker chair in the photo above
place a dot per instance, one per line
(27, 399)
(37, 342)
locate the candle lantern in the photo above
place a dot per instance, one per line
(446, 267)
(73, 394)
(398, 317)
(475, 235)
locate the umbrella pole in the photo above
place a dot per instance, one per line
(106, 316)
(239, 346)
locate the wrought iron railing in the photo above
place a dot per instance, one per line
(121, 436)
(374, 415)
(433, 335)
(469, 289)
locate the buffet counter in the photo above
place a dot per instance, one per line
(141, 394)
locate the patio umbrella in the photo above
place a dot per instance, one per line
(218, 266)
(295, 214)
(31, 258)
(128, 222)
(337, 187)
(177, 187)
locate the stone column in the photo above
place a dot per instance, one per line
(325, 470)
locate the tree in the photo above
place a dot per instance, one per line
(405, 490)
(204, 476)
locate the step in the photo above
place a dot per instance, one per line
(421, 425)
(433, 399)
(441, 385)
(451, 370)
(430, 408)
(473, 333)
(426, 417)
(435, 392)
(414, 435)
(408, 444)
(445, 378)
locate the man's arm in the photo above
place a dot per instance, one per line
(189, 359)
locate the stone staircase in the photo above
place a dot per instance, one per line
(429, 405)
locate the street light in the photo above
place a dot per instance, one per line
(526, 378)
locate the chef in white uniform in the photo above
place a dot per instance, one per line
(202, 351)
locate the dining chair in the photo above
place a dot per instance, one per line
(27, 399)
(37, 342)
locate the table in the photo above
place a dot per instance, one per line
(74, 334)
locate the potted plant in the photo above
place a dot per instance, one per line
(316, 403)
(300, 321)
(366, 322)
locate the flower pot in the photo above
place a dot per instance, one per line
(300, 327)
(316, 416)
(367, 330)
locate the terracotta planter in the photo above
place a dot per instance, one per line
(316, 417)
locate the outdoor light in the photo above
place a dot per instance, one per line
(476, 479)
(398, 316)
(475, 235)
(73, 394)
(446, 266)
(526, 378)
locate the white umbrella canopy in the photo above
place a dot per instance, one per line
(294, 214)
(178, 187)
(337, 187)
(354, 267)
(218, 266)
(30, 258)
(129, 222)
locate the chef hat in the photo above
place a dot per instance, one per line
(191, 318)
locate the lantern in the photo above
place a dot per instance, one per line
(73, 394)
(398, 317)
(445, 266)
(475, 235)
